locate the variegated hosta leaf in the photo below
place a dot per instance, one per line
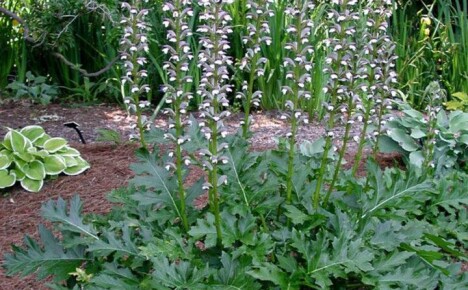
(38, 153)
(34, 170)
(70, 161)
(33, 132)
(19, 174)
(7, 141)
(18, 142)
(32, 185)
(81, 166)
(54, 165)
(54, 144)
(24, 156)
(68, 151)
(7, 179)
(40, 141)
(5, 161)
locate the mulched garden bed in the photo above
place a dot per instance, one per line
(20, 210)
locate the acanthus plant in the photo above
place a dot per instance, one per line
(214, 88)
(361, 75)
(134, 46)
(177, 67)
(341, 86)
(253, 63)
(297, 65)
(386, 234)
(380, 76)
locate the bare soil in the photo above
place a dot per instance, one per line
(20, 210)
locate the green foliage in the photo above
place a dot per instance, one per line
(35, 88)
(30, 155)
(432, 44)
(459, 102)
(408, 134)
(268, 226)
(109, 135)
(393, 229)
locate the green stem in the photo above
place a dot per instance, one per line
(321, 173)
(362, 139)
(375, 149)
(179, 173)
(213, 147)
(295, 101)
(179, 129)
(135, 96)
(214, 183)
(292, 145)
(247, 104)
(328, 146)
(342, 151)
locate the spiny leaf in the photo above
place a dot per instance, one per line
(113, 243)
(57, 212)
(151, 175)
(178, 275)
(52, 258)
(296, 216)
(114, 277)
(269, 272)
(205, 228)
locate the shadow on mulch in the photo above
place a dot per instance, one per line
(20, 210)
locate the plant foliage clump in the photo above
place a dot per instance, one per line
(30, 155)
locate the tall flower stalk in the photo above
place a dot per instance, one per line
(435, 95)
(257, 33)
(134, 45)
(297, 66)
(340, 60)
(177, 67)
(214, 88)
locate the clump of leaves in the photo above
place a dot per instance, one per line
(394, 229)
(30, 155)
(408, 133)
(109, 135)
(459, 102)
(35, 88)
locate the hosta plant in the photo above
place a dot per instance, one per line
(30, 155)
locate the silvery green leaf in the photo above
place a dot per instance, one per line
(311, 149)
(417, 158)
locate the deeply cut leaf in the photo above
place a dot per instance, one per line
(52, 258)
